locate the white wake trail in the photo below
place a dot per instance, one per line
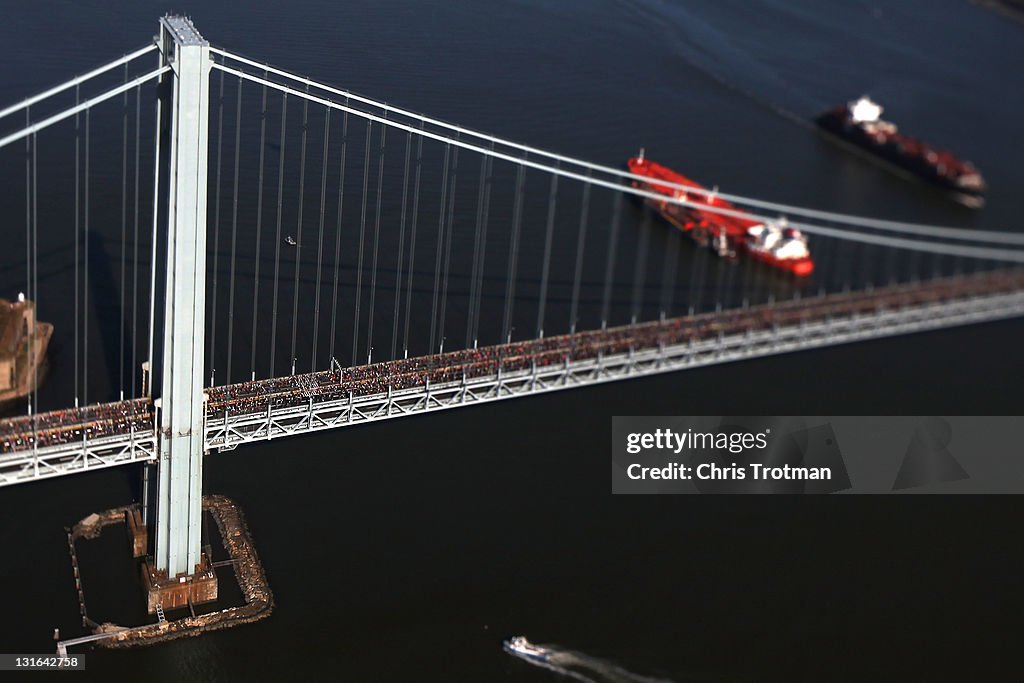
(583, 667)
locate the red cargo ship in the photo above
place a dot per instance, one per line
(772, 242)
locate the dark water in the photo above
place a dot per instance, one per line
(409, 550)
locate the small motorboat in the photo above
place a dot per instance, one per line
(521, 647)
(290, 240)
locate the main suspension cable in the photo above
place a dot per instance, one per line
(77, 81)
(619, 174)
(932, 231)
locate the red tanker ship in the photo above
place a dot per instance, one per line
(772, 242)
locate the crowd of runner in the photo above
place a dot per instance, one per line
(263, 395)
(75, 424)
(64, 426)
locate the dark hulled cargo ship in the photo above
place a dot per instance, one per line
(859, 124)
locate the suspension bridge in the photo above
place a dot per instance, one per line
(290, 257)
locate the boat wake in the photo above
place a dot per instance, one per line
(715, 54)
(577, 665)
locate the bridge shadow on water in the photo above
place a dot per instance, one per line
(106, 296)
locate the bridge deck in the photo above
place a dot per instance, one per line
(257, 396)
(65, 441)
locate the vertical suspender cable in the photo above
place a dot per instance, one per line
(862, 273)
(440, 243)
(376, 243)
(337, 236)
(412, 243)
(259, 230)
(513, 257)
(580, 249)
(135, 250)
(214, 320)
(153, 242)
(320, 240)
(666, 279)
(362, 240)
(476, 251)
(912, 267)
(729, 290)
(277, 237)
(485, 212)
(823, 263)
(868, 263)
(698, 266)
(29, 143)
(669, 273)
(234, 235)
(720, 267)
(298, 227)
(124, 223)
(748, 289)
(78, 179)
(891, 275)
(609, 270)
(85, 284)
(640, 266)
(401, 249)
(448, 241)
(35, 274)
(548, 237)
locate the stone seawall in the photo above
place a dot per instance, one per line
(259, 601)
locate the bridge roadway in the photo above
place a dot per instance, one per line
(74, 440)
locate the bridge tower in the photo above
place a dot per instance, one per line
(179, 570)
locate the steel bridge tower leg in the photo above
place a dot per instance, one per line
(181, 411)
